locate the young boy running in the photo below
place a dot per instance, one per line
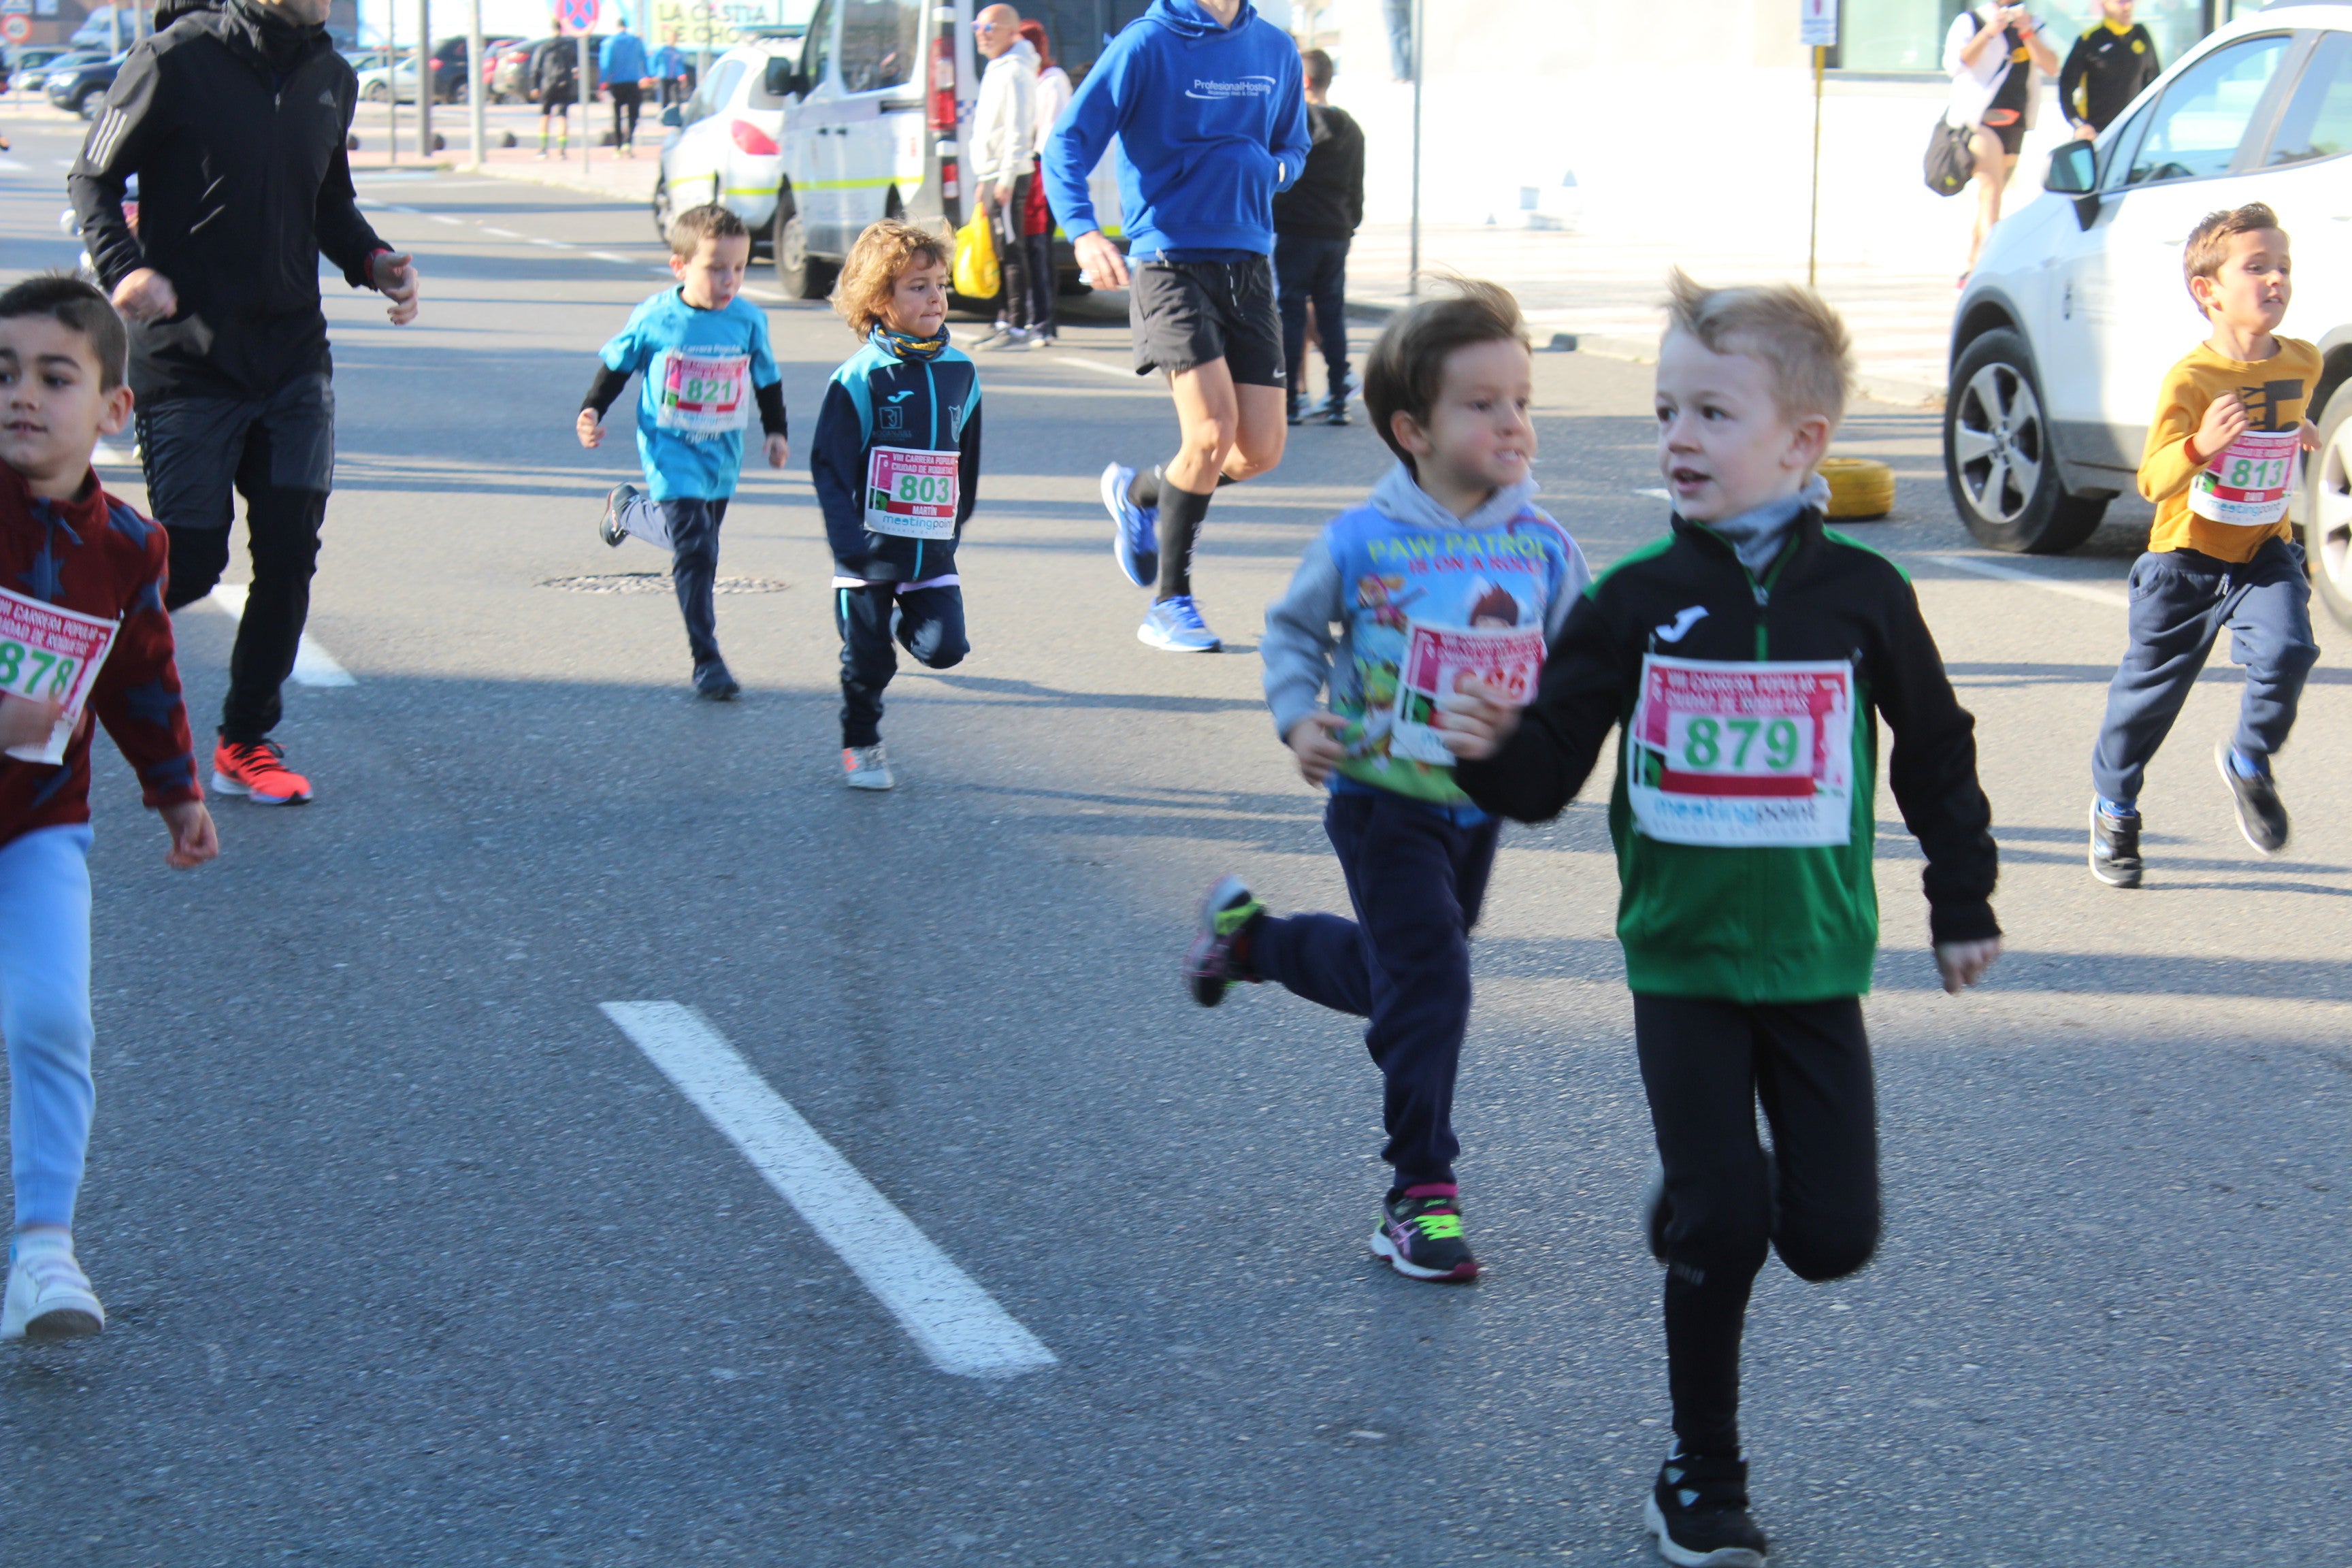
(82, 631)
(1748, 654)
(703, 355)
(2221, 465)
(1450, 569)
(896, 466)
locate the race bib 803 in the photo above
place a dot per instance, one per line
(911, 493)
(1748, 755)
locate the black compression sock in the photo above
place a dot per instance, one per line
(1143, 490)
(1180, 514)
(1224, 480)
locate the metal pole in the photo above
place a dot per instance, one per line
(476, 125)
(1413, 262)
(1813, 228)
(390, 80)
(423, 80)
(587, 95)
(114, 27)
(702, 50)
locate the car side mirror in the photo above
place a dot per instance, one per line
(671, 118)
(2073, 170)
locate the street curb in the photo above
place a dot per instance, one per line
(1894, 389)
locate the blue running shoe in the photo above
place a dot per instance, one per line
(1174, 626)
(1135, 529)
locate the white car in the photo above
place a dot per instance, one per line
(860, 119)
(2078, 305)
(378, 83)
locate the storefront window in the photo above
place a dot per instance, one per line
(1908, 35)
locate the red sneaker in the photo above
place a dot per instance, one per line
(258, 771)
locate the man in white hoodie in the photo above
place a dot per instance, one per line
(1004, 152)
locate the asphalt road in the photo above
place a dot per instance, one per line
(414, 1256)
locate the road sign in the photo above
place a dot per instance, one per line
(577, 16)
(1817, 23)
(16, 8)
(16, 30)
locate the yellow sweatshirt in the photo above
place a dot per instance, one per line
(2276, 393)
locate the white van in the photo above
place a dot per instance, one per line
(860, 119)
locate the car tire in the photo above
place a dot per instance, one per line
(87, 106)
(800, 274)
(665, 210)
(1999, 461)
(376, 92)
(2326, 507)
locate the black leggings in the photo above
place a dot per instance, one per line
(626, 96)
(1707, 1065)
(927, 622)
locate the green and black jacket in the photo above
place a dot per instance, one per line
(1759, 925)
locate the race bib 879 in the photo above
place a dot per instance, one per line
(1747, 755)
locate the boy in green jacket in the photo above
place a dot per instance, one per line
(1748, 656)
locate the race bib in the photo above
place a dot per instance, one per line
(703, 394)
(1437, 660)
(2250, 483)
(911, 493)
(51, 655)
(1750, 755)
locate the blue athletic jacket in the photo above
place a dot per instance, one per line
(884, 396)
(1211, 122)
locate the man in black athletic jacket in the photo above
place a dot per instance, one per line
(234, 123)
(2111, 64)
(1314, 222)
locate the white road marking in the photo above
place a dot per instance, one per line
(502, 233)
(63, 163)
(1123, 373)
(398, 209)
(312, 665)
(956, 1323)
(552, 243)
(444, 217)
(109, 456)
(1656, 492)
(770, 295)
(2056, 585)
(617, 258)
(11, 166)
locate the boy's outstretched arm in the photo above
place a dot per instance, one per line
(602, 393)
(1932, 771)
(1546, 755)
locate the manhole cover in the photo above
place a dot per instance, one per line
(658, 583)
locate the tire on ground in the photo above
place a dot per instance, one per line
(1862, 490)
(1999, 462)
(2325, 507)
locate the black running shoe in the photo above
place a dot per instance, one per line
(1420, 1234)
(609, 528)
(713, 683)
(2261, 816)
(1335, 409)
(1298, 411)
(2115, 845)
(1698, 1511)
(1210, 963)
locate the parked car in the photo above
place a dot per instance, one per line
(448, 63)
(511, 81)
(80, 87)
(809, 140)
(96, 30)
(379, 82)
(493, 50)
(33, 64)
(2077, 306)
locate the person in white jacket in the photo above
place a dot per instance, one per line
(1991, 53)
(1053, 97)
(1003, 158)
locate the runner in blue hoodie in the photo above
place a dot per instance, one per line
(1205, 101)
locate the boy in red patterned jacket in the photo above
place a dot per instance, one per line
(82, 631)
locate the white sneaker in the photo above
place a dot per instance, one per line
(866, 767)
(49, 1297)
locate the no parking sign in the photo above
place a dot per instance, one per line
(16, 28)
(576, 16)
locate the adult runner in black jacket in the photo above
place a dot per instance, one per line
(234, 123)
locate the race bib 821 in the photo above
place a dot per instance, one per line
(703, 392)
(1747, 755)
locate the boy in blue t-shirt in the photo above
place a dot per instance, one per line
(703, 355)
(1449, 574)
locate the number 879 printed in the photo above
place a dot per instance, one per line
(30, 672)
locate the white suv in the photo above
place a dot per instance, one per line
(2078, 306)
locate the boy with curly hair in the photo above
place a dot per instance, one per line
(896, 462)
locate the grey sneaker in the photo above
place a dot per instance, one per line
(1002, 338)
(2115, 845)
(866, 767)
(610, 528)
(2261, 816)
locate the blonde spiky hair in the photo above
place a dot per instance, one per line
(1791, 331)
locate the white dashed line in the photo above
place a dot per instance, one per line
(1123, 374)
(63, 163)
(770, 295)
(2107, 597)
(502, 233)
(106, 457)
(552, 243)
(444, 217)
(10, 166)
(618, 259)
(957, 1324)
(312, 666)
(1655, 492)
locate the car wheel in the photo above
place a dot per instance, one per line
(665, 210)
(376, 92)
(2327, 508)
(1997, 458)
(800, 274)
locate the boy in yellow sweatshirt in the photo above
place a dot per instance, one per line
(2222, 463)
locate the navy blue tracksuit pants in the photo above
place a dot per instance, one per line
(2182, 601)
(1416, 877)
(688, 527)
(927, 622)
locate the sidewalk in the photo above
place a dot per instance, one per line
(598, 169)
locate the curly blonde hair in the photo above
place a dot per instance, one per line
(879, 259)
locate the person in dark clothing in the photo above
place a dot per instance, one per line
(234, 123)
(556, 74)
(1314, 221)
(2110, 65)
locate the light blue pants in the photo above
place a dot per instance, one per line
(45, 1017)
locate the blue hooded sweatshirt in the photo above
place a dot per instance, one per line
(1211, 122)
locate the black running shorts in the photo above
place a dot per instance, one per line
(1187, 313)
